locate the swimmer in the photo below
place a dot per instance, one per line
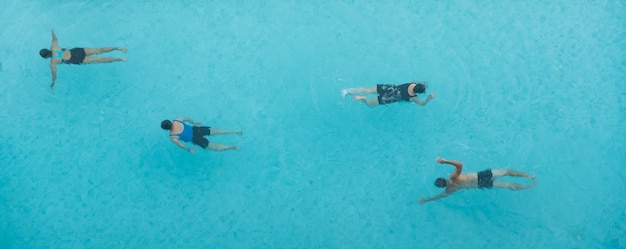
(390, 93)
(75, 56)
(181, 130)
(483, 179)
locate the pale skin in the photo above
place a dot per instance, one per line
(374, 101)
(66, 55)
(177, 128)
(460, 181)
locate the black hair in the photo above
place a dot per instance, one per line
(441, 182)
(45, 53)
(420, 87)
(166, 124)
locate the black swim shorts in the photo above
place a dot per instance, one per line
(78, 55)
(388, 93)
(198, 136)
(485, 179)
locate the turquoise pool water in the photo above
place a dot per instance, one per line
(535, 86)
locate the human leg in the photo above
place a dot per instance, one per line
(219, 147)
(91, 51)
(507, 172)
(90, 59)
(513, 186)
(216, 131)
(370, 102)
(204, 143)
(199, 139)
(354, 91)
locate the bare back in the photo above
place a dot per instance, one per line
(464, 181)
(177, 128)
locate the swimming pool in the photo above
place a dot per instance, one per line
(537, 87)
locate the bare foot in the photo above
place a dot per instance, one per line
(531, 177)
(532, 184)
(359, 98)
(344, 93)
(439, 160)
(515, 186)
(123, 59)
(238, 133)
(122, 49)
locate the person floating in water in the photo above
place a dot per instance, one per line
(181, 130)
(483, 179)
(390, 93)
(75, 56)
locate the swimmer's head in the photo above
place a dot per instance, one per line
(166, 124)
(420, 88)
(440, 182)
(45, 53)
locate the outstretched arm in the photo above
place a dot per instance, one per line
(53, 69)
(458, 165)
(181, 145)
(190, 121)
(54, 44)
(436, 197)
(420, 102)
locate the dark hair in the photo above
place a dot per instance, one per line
(45, 53)
(440, 182)
(166, 124)
(420, 87)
